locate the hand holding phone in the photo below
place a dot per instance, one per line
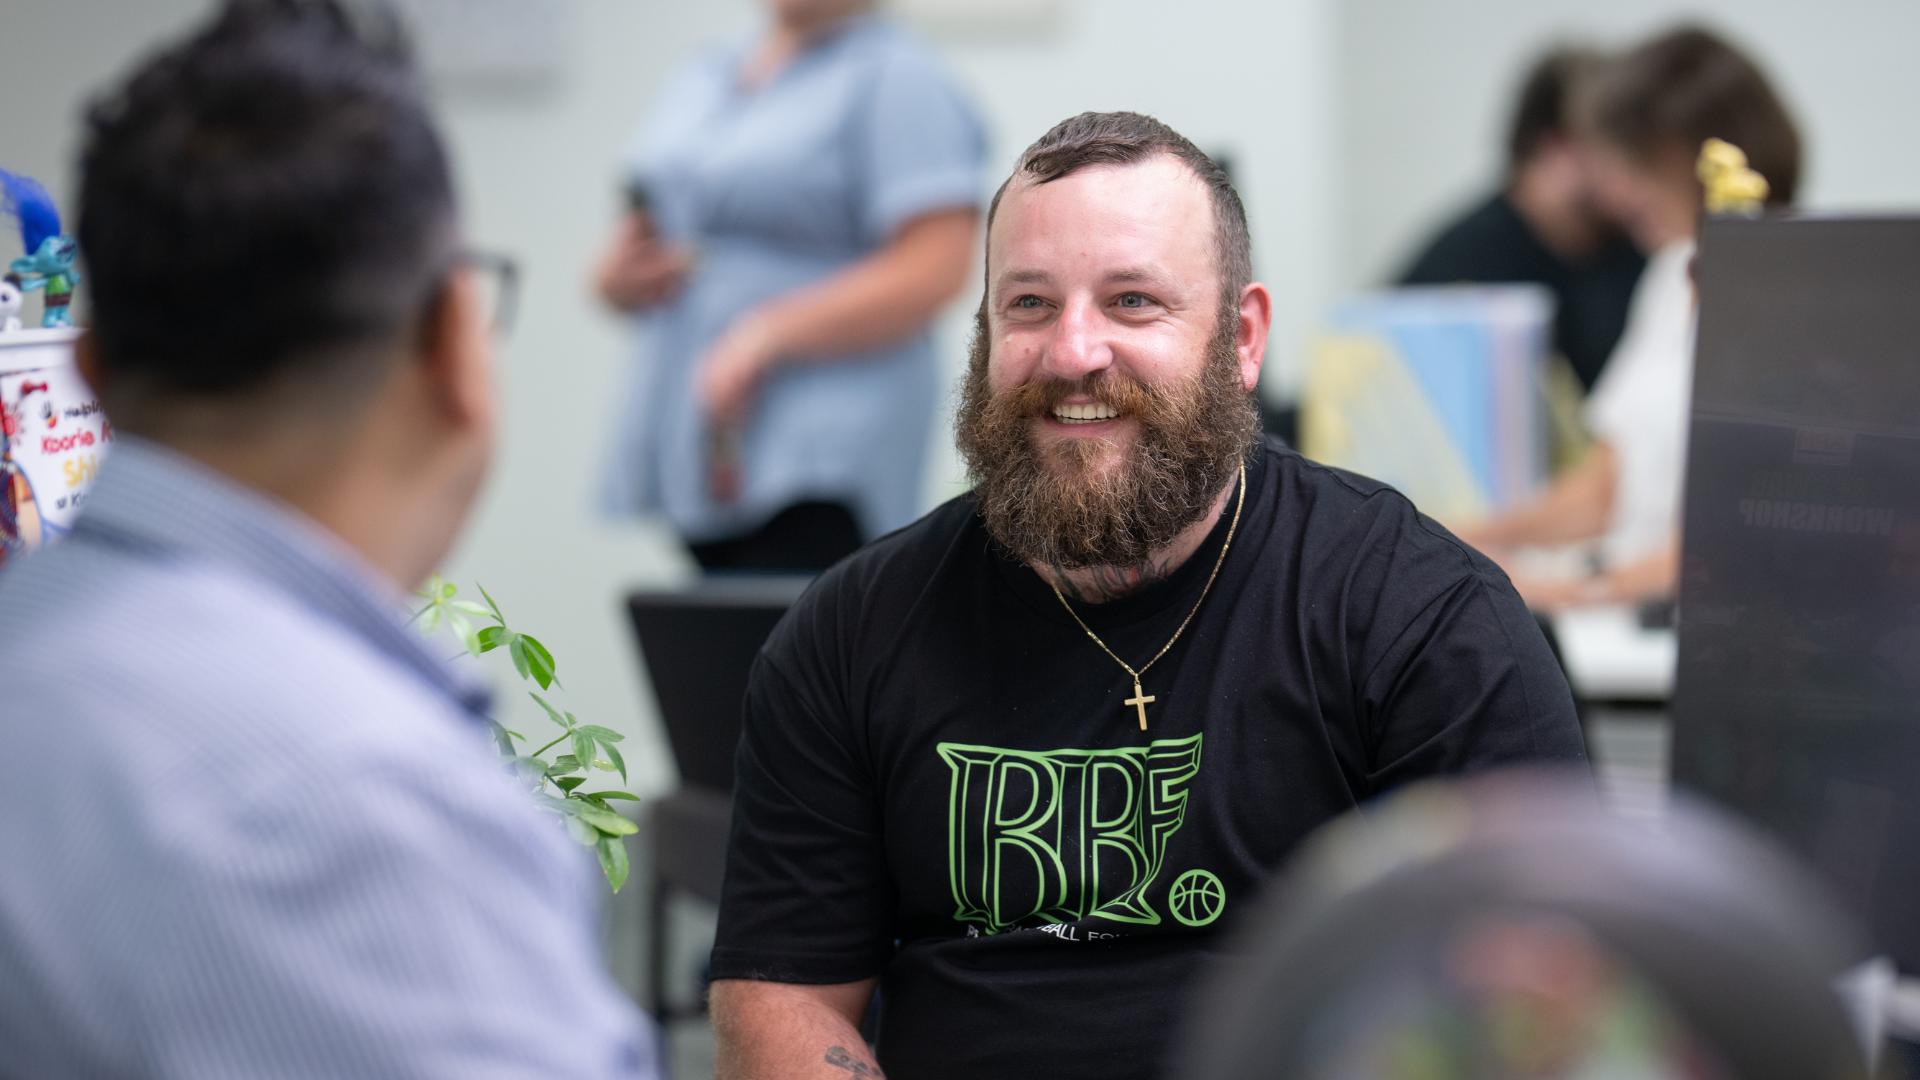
(640, 269)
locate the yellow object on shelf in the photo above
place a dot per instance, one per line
(1731, 187)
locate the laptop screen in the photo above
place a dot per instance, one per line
(1797, 698)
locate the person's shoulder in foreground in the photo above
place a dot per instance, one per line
(278, 842)
(252, 826)
(1431, 623)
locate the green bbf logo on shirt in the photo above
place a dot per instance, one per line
(1051, 836)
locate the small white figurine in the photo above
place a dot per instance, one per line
(9, 304)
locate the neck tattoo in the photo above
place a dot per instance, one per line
(1099, 584)
(1141, 699)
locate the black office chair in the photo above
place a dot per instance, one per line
(698, 645)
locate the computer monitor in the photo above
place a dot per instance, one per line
(1797, 698)
(1437, 390)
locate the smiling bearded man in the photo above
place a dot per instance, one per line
(1019, 764)
(1067, 506)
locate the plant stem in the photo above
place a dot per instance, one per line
(563, 737)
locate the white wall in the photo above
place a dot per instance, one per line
(1253, 80)
(539, 174)
(1425, 88)
(53, 56)
(538, 166)
(1353, 125)
(1261, 94)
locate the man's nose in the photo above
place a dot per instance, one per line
(1080, 346)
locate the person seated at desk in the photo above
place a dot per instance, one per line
(250, 824)
(1642, 121)
(1543, 227)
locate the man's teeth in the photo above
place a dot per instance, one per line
(1084, 414)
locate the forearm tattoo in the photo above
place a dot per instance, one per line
(840, 1058)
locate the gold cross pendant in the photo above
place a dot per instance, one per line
(1140, 701)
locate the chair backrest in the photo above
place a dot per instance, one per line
(698, 645)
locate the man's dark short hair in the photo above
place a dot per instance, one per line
(1123, 138)
(1684, 87)
(1545, 107)
(261, 200)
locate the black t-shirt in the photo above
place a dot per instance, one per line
(940, 782)
(1492, 243)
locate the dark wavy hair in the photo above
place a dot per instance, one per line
(1122, 138)
(263, 200)
(1545, 106)
(1684, 87)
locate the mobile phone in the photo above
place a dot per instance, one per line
(639, 199)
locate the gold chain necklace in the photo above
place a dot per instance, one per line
(1140, 700)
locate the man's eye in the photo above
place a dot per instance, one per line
(1133, 300)
(1028, 301)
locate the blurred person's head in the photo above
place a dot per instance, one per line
(1547, 176)
(1509, 928)
(278, 284)
(1646, 114)
(1106, 403)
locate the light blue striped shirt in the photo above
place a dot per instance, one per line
(251, 826)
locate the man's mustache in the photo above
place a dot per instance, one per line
(1117, 390)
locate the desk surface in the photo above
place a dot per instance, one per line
(1611, 657)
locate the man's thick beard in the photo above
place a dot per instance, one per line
(1058, 507)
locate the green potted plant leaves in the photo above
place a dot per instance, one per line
(559, 782)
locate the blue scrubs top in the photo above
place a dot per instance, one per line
(776, 188)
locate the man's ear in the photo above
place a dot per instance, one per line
(455, 352)
(1256, 319)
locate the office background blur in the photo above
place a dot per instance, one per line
(1352, 126)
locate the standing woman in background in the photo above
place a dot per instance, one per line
(801, 206)
(1643, 120)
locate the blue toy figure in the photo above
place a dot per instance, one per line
(48, 262)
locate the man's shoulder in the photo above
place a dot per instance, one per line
(1327, 487)
(1328, 512)
(208, 655)
(198, 692)
(267, 783)
(929, 539)
(889, 574)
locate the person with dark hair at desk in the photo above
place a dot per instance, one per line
(1542, 227)
(1644, 119)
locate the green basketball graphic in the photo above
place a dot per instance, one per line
(1197, 898)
